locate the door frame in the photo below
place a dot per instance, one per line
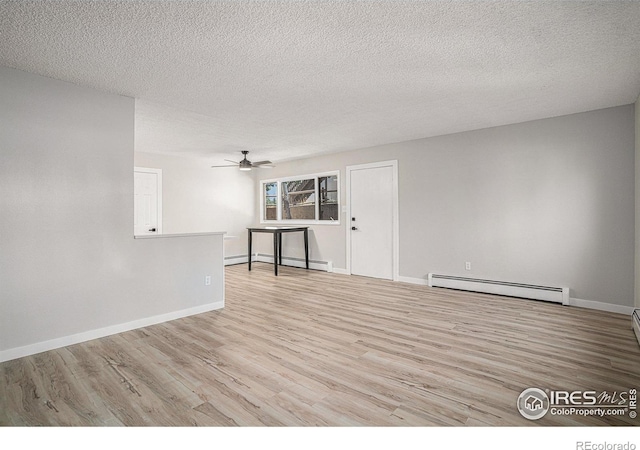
(157, 172)
(396, 222)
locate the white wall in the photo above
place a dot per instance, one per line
(197, 198)
(545, 202)
(70, 268)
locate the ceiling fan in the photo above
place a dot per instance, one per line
(245, 164)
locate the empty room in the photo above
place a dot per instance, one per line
(320, 214)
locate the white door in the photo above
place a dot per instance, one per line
(147, 193)
(372, 223)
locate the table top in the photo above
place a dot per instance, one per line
(276, 229)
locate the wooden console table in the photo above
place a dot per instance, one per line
(277, 243)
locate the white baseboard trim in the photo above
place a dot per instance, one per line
(39, 347)
(238, 259)
(326, 266)
(601, 306)
(340, 271)
(411, 280)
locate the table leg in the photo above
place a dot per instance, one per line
(249, 254)
(280, 248)
(275, 253)
(306, 247)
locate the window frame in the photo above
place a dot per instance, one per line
(278, 181)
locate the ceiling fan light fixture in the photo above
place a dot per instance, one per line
(245, 165)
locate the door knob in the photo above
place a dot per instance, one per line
(152, 229)
(354, 228)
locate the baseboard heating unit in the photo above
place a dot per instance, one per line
(635, 322)
(530, 291)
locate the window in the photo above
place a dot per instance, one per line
(270, 201)
(328, 187)
(304, 199)
(299, 200)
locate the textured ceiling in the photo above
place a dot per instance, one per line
(287, 79)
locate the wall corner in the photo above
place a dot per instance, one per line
(637, 205)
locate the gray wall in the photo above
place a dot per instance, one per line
(68, 261)
(545, 202)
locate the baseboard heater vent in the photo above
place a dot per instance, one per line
(530, 291)
(635, 322)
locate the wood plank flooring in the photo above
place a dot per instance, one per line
(309, 348)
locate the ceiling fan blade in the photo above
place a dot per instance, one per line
(261, 163)
(235, 162)
(225, 166)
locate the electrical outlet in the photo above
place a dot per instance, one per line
(467, 265)
(207, 280)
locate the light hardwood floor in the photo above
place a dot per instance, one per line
(309, 348)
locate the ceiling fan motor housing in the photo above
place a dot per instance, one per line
(245, 164)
